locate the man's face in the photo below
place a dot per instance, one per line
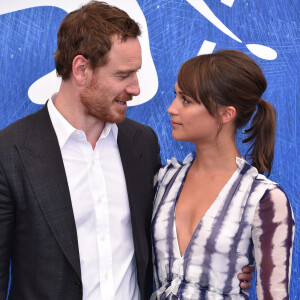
(111, 85)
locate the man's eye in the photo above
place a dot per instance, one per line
(123, 75)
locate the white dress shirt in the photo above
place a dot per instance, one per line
(101, 210)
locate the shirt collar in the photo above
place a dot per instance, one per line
(109, 127)
(64, 129)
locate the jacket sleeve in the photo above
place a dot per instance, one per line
(7, 217)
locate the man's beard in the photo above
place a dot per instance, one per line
(102, 106)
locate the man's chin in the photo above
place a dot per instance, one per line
(117, 118)
(109, 117)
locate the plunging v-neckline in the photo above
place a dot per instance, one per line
(200, 221)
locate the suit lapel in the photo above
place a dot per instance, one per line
(44, 166)
(130, 157)
(131, 152)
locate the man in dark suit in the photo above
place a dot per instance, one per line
(76, 178)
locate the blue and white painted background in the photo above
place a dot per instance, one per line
(173, 31)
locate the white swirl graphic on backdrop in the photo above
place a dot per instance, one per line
(47, 85)
(261, 51)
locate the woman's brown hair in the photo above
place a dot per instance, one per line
(232, 78)
(88, 31)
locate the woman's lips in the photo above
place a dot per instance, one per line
(175, 124)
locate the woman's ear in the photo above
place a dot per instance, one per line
(79, 69)
(228, 114)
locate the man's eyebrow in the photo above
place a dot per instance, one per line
(127, 71)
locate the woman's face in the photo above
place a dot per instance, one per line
(191, 121)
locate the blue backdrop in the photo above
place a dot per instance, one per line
(177, 31)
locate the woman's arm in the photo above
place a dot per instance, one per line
(272, 234)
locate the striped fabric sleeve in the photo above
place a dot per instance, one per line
(272, 235)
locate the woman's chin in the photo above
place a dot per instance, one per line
(179, 137)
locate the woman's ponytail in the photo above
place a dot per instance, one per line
(262, 135)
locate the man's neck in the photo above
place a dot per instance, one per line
(70, 107)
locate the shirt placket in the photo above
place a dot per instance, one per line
(99, 192)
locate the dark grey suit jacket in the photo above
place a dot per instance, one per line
(37, 227)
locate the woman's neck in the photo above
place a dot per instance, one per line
(216, 158)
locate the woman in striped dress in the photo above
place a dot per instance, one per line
(214, 212)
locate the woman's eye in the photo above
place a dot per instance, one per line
(185, 100)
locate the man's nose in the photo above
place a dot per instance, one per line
(133, 88)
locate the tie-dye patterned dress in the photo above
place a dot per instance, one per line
(250, 222)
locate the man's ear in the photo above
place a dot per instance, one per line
(79, 69)
(228, 114)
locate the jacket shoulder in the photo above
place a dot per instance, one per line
(129, 123)
(19, 129)
(135, 128)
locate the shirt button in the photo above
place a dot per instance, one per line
(106, 276)
(99, 199)
(103, 238)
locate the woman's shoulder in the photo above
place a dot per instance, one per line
(249, 171)
(173, 164)
(275, 199)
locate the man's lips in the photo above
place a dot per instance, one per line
(123, 101)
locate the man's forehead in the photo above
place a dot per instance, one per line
(131, 44)
(126, 52)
